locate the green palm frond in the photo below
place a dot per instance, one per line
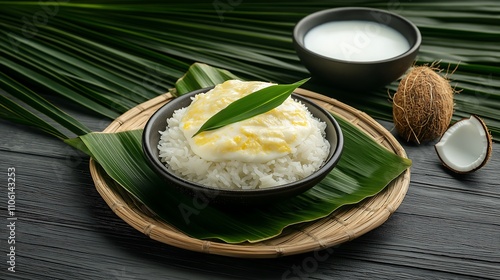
(108, 56)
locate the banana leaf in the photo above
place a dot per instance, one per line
(363, 171)
(201, 75)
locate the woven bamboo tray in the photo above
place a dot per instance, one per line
(343, 225)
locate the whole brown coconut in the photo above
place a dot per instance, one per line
(422, 105)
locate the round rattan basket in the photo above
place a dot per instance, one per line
(342, 225)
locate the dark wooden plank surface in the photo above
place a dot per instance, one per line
(448, 226)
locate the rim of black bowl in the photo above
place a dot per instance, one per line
(160, 167)
(306, 19)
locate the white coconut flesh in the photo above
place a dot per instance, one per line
(465, 146)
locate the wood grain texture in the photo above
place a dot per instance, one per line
(448, 226)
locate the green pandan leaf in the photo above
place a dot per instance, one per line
(256, 103)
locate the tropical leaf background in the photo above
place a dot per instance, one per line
(107, 56)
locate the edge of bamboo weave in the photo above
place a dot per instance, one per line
(344, 224)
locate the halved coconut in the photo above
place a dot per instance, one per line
(465, 146)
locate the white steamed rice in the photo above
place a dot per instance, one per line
(177, 155)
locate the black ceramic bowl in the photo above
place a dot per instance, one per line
(157, 123)
(356, 75)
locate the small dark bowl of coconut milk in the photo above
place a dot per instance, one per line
(356, 48)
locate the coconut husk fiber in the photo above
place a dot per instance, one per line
(423, 105)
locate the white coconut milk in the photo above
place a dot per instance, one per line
(356, 40)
